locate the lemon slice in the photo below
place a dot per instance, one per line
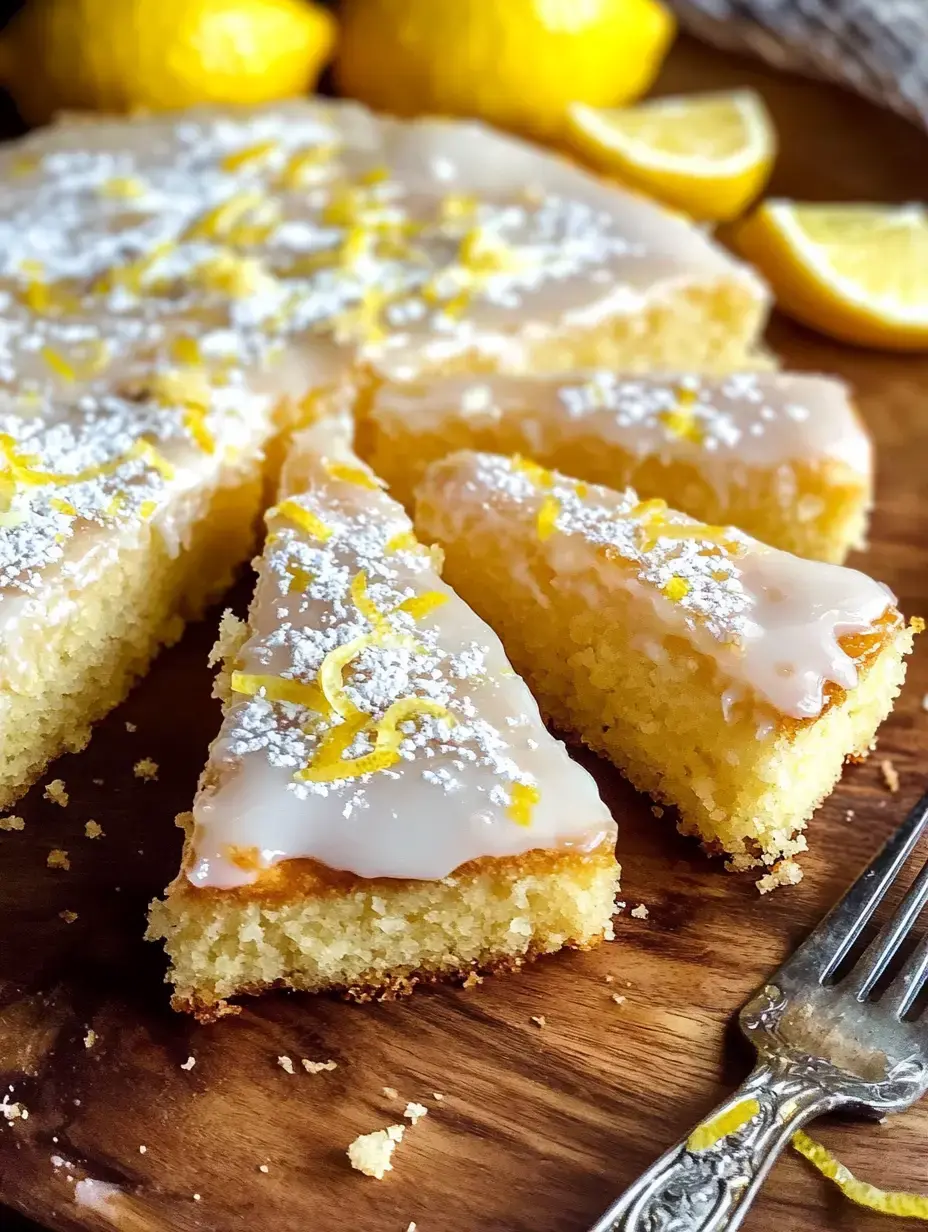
(856, 272)
(706, 154)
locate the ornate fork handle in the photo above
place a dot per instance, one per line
(710, 1190)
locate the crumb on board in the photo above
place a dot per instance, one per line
(640, 912)
(785, 872)
(539, 1020)
(142, 1149)
(145, 769)
(189, 1063)
(12, 823)
(437, 1095)
(618, 998)
(925, 702)
(68, 916)
(656, 810)
(90, 1038)
(849, 815)
(13, 1111)
(391, 1092)
(56, 793)
(610, 979)
(98, 782)
(371, 1153)
(93, 829)
(196, 1197)
(414, 1112)
(285, 1064)
(263, 1168)
(890, 775)
(58, 859)
(411, 1227)
(472, 980)
(131, 727)
(317, 1067)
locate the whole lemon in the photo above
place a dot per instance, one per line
(123, 55)
(515, 63)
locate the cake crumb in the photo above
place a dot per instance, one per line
(640, 912)
(98, 782)
(890, 775)
(610, 979)
(56, 793)
(472, 980)
(13, 1112)
(391, 1092)
(315, 1067)
(371, 1153)
(414, 1112)
(58, 859)
(656, 810)
(145, 769)
(68, 916)
(142, 1149)
(786, 872)
(263, 1168)
(411, 1227)
(618, 998)
(925, 702)
(539, 1020)
(849, 815)
(189, 1063)
(285, 1064)
(90, 1038)
(93, 829)
(131, 727)
(12, 823)
(196, 1197)
(437, 1095)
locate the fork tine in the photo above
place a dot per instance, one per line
(826, 947)
(878, 954)
(901, 993)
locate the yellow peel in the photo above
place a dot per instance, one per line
(728, 1122)
(522, 800)
(352, 474)
(420, 606)
(401, 712)
(330, 675)
(888, 1202)
(304, 518)
(278, 689)
(546, 523)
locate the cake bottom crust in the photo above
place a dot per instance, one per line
(312, 929)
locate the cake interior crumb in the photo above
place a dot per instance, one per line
(189, 1063)
(285, 1064)
(371, 1153)
(640, 912)
(414, 1112)
(890, 774)
(12, 823)
(539, 1020)
(57, 858)
(145, 768)
(391, 1092)
(93, 829)
(317, 1067)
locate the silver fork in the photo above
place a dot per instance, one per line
(820, 1046)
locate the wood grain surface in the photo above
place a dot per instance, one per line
(539, 1127)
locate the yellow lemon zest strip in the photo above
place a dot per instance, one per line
(677, 588)
(537, 474)
(63, 506)
(250, 154)
(330, 677)
(147, 451)
(186, 350)
(728, 1122)
(420, 606)
(546, 523)
(887, 1201)
(147, 509)
(401, 712)
(364, 603)
(352, 474)
(681, 422)
(299, 579)
(328, 764)
(279, 689)
(304, 518)
(522, 800)
(404, 541)
(58, 364)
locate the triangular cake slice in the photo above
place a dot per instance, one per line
(383, 804)
(783, 455)
(722, 676)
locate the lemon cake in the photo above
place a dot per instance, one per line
(263, 253)
(782, 455)
(724, 677)
(382, 804)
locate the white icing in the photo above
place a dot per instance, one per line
(447, 800)
(771, 621)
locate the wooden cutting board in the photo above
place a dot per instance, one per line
(539, 1127)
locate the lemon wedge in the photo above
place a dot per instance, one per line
(856, 272)
(708, 155)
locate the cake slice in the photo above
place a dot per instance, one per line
(382, 804)
(722, 676)
(784, 456)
